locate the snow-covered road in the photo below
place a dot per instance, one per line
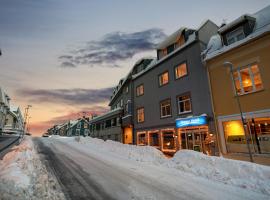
(86, 173)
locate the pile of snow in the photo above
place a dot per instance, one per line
(233, 172)
(125, 151)
(22, 175)
(238, 173)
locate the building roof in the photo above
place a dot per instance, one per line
(235, 22)
(106, 115)
(171, 39)
(262, 26)
(155, 63)
(118, 88)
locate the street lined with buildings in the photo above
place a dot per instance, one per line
(178, 126)
(204, 85)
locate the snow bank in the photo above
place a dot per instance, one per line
(126, 151)
(22, 175)
(233, 172)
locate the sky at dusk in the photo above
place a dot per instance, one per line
(64, 57)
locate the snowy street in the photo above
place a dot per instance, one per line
(85, 172)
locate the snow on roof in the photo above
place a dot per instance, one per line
(107, 114)
(171, 39)
(262, 26)
(236, 22)
(14, 108)
(155, 63)
(127, 76)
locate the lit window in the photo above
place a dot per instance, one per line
(180, 70)
(247, 79)
(140, 90)
(184, 104)
(234, 132)
(141, 138)
(235, 35)
(163, 78)
(85, 125)
(140, 115)
(168, 140)
(165, 108)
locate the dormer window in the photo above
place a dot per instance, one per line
(236, 35)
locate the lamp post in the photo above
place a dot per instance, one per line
(25, 118)
(230, 65)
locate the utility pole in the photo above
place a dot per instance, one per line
(25, 118)
(27, 126)
(230, 65)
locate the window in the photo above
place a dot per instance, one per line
(236, 35)
(126, 89)
(85, 125)
(165, 108)
(140, 115)
(247, 79)
(113, 122)
(79, 125)
(139, 90)
(168, 140)
(163, 78)
(180, 70)
(142, 140)
(154, 139)
(184, 104)
(121, 103)
(77, 131)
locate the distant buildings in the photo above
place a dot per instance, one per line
(4, 108)
(11, 119)
(14, 121)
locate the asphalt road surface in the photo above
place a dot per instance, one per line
(86, 176)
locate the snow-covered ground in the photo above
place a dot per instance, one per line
(132, 172)
(240, 174)
(23, 176)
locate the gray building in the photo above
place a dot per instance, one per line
(117, 124)
(172, 103)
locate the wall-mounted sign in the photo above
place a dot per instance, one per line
(194, 121)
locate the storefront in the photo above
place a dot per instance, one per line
(193, 134)
(163, 139)
(233, 138)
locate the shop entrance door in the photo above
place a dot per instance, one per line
(193, 138)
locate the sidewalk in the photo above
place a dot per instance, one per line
(263, 159)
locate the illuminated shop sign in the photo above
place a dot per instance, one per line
(194, 121)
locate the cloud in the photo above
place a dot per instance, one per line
(38, 128)
(113, 47)
(77, 96)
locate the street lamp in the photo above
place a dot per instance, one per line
(25, 118)
(230, 65)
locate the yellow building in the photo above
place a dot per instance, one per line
(238, 63)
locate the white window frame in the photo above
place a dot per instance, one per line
(238, 70)
(179, 102)
(233, 35)
(161, 106)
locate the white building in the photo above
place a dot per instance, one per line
(4, 108)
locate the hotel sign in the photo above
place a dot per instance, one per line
(194, 121)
